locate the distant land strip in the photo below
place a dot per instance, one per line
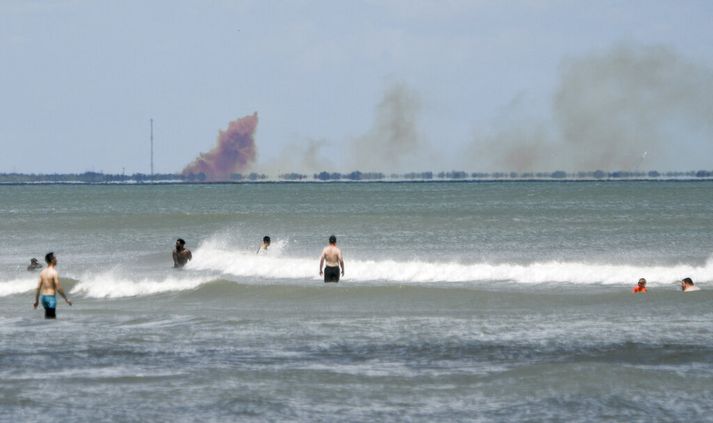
(355, 176)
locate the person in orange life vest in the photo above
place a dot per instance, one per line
(640, 288)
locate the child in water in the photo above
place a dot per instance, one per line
(264, 246)
(640, 287)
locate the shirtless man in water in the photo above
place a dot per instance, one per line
(687, 285)
(181, 254)
(333, 256)
(49, 286)
(34, 265)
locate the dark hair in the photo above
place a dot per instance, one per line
(266, 239)
(332, 239)
(181, 241)
(48, 257)
(33, 260)
(688, 281)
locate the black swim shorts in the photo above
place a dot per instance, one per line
(331, 274)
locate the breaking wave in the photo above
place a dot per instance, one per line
(213, 262)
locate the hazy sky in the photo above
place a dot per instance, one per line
(455, 83)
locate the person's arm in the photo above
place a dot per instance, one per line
(60, 290)
(341, 262)
(37, 294)
(175, 258)
(189, 255)
(321, 264)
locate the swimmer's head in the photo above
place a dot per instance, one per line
(687, 281)
(642, 282)
(50, 258)
(266, 240)
(180, 243)
(33, 260)
(332, 239)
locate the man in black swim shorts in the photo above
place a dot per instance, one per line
(333, 256)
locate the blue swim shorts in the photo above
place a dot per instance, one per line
(49, 301)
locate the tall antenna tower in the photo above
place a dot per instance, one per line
(151, 149)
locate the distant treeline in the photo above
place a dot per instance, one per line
(456, 174)
(106, 178)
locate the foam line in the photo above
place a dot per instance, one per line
(212, 262)
(17, 286)
(111, 285)
(208, 257)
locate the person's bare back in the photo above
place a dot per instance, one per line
(49, 279)
(332, 255)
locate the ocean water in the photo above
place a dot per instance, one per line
(506, 301)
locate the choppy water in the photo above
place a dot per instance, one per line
(462, 301)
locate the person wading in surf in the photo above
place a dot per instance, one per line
(34, 265)
(333, 256)
(262, 249)
(49, 286)
(640, 287)
(181, 254)
(688, 286)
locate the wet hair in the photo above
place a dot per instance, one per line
(688, 281)
(181, 241)
(49, 256)
(33, 260)
(642, 280)
(332, 239)
(266, 239)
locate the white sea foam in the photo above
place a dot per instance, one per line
(214, 260)
(212, 257)
(112, 285)
(17, 286)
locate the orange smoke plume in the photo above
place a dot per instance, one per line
(234, 152)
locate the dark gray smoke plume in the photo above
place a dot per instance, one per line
(517, 141)
(393, 143)
(609, 111)
(307, 156)
(394, 140)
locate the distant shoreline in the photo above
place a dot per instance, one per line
(346, 181)
(99, 178)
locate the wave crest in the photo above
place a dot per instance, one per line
(213, 257)
(215, 261)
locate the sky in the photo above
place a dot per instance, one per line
(402, 85)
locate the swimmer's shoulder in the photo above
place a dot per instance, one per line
(692, 289)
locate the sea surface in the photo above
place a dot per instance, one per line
(490, 301)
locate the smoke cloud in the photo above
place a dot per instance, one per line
(394, 140)
(610, 110)
(307, 156)
(234, 151)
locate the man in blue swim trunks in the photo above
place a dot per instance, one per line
(49, 286)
